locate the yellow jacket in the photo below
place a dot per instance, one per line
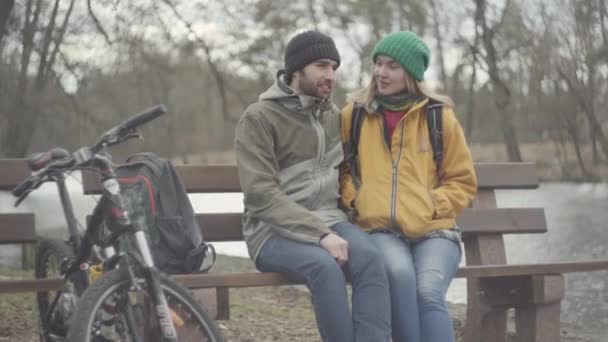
(399, 187)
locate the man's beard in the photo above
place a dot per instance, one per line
(308, 87)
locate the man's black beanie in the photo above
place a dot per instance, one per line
(306, 48)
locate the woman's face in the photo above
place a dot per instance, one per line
(389, 75)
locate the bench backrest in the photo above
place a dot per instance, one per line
(483, 224)
(483, 218)
(15, 228)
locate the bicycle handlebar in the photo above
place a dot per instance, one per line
(142, 118)
(24, 186)
(59, 159)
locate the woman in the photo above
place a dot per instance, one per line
(399, 196)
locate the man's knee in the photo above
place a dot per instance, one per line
(366, 258)
(325, 270)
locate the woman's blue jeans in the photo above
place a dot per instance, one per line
(419, 276)
(369, 320)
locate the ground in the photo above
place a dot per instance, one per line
(257, 314)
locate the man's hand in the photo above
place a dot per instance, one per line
(336, 246)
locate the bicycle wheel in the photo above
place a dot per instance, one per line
(49, 255)
(112, 304)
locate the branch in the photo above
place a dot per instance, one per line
(219, 78)
(98, 24)
(59, 39)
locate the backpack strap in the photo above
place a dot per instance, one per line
(352, 147)
(434, 122)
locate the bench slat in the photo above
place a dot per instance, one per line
(227, 226)
(30, 285)
(482, 271)
(269, 278)
(196, 179)
(273, 279)
(224, 178)
(13, 172)
(17, 228)
(506, 175)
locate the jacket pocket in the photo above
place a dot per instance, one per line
(431, 203)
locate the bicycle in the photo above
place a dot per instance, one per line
(131, 300)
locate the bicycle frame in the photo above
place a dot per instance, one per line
(111, 191)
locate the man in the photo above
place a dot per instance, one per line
(288, 150)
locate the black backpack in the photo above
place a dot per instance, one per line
(434, 124)
(155, 198)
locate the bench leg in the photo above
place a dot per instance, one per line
(223, 303)
(539, 323)
(216, 301)
(483, 323)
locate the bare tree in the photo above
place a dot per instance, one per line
(439, 39)
(6, 7)
(501, 90)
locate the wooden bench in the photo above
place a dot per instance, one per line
(15, 228)
(534, 290)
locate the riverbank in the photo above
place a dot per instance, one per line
(257, 314)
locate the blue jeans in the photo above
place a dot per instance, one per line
(326, 280)
(419, 276)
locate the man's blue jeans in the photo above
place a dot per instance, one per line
(326, 280)
(419, 276)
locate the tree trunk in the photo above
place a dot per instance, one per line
(6, 6)
(438, 37)
(587, 108)
(502, 93)
(20, 121)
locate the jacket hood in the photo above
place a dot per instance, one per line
(281, 92)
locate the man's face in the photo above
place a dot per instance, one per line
(316, 79)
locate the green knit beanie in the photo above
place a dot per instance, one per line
(406, 48)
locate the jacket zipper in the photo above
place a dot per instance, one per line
(395, 174)
(321, 139)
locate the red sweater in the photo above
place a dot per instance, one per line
(392, 119)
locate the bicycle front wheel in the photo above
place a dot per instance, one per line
(113, 309)
(49, 256)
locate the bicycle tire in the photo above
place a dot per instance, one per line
(115, 286)
(49, 255)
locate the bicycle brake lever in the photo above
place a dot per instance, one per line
(134, 134)
(21, 198)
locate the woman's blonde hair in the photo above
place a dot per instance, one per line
(366, 95)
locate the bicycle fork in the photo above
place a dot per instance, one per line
(151, 273)
(160, 302)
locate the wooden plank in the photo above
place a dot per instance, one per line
(17, 228)
(506, 175)
(227, 226)
(502, 220)
(30, 285)
(196, 179)
(224, 178)
(12, 172)
(510, 270)
(254, 279)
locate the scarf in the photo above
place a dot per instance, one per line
(399, 102)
